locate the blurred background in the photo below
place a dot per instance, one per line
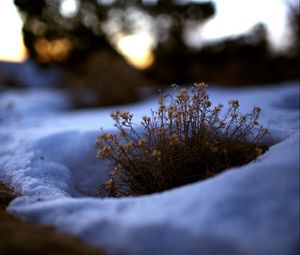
(108, 52)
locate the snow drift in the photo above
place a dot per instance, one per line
(253, 209)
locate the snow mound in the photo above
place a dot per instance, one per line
(251, 209)
(23, 103)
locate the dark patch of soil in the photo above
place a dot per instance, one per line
(21, 238)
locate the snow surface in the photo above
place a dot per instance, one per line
(29, 74)
(47, 154)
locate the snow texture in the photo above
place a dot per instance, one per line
(254, 209)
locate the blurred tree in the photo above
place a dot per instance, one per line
(235, 61)
(244, 60)
(295, 25)
(92, 23)
(81, 36)
(69, 32)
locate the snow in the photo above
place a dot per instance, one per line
(29, 74)
(48, 156)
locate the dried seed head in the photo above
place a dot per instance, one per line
(106, 136)
(243, 118)
(146, 119)
(200, 86)
(256, 109)
(104, 152)
(234, 103)
(115, 115)
(171, 110)
(183, 95)
(126, 116)
(218, 108)
(161, 108)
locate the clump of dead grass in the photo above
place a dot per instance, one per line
(185, 140)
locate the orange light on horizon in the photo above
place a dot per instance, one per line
(12, 48)
(136, 49)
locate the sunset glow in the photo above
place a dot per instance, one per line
(137, 49)
(12, 48)
(233, 17)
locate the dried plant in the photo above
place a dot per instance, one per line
(184, 141)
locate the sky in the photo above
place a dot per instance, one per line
(233, 18)
(11, 43)
(239, 16)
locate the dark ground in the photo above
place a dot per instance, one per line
(21, 238)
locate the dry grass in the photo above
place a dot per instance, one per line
(184, 141)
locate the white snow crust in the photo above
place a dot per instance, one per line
(47, 154)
